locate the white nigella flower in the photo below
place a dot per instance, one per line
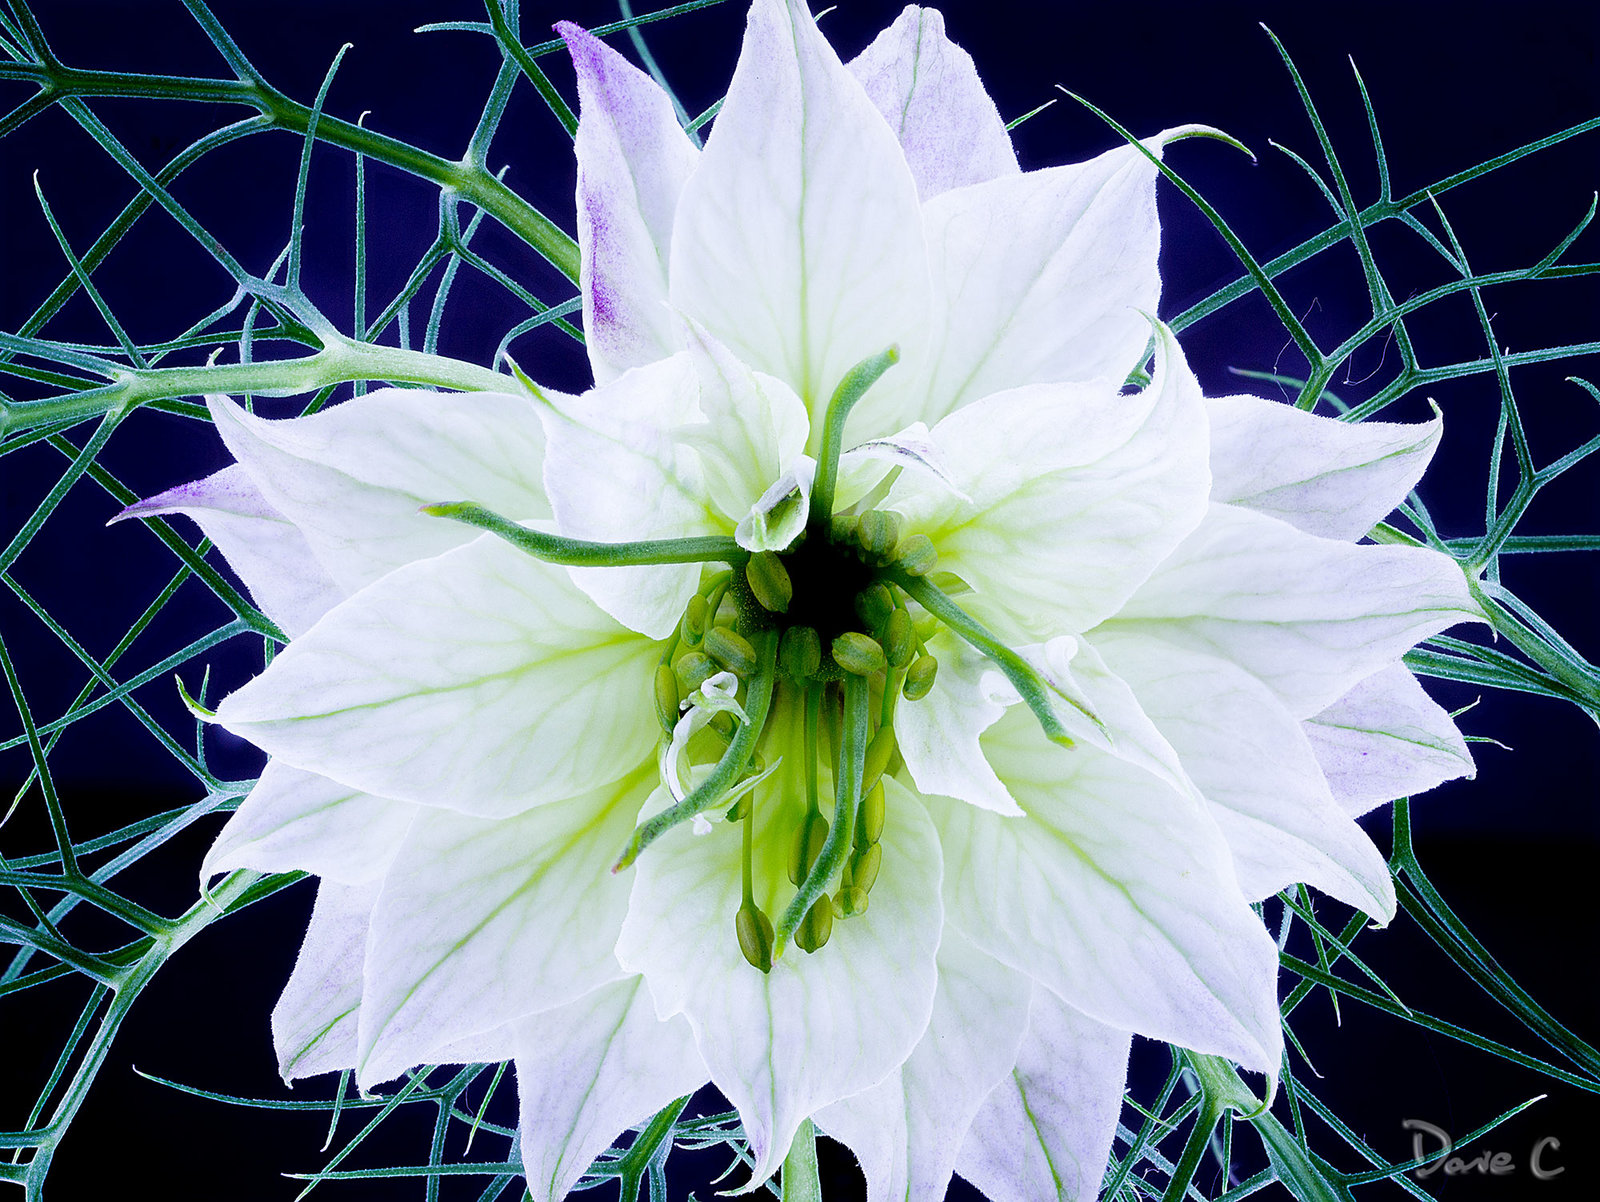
(995, 705)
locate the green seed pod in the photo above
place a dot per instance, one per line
(919, 678)
(800, 652)
(755, 936)
(864, 867)
(873, 605)
(692, 627)
(732, 651)
(879, 752)
(916, 555)
(666, 697)
(869, 825)
(858, 654)
(849, 902)
(899, 640)
(805, 845)
(815, 927)
(738, 810)
(769, 581)
(878, 531)
(693, 670)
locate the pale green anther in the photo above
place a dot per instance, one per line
(864, 867)
(916, 555)
(899, 639)
(858, 654)
(850, 901)
(693, 670)
(695, 620)
(755, 936)
(873, 606)
(879, 752)
(769, 581)
(800, 652)
(878, 531)
(805, 845)
(813, 931)
(874, 808)
(842, 528)
(666, 697)
(733, 651)
(738, 810)
(919, 678)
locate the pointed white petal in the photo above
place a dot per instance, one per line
(632, 162)
(753, 437)
(1327, 477)
(299, 821)
(818, 1027)
(1256, 770)
(314, 1022)
(1116, 892)
(1046, 1132)
(1040, 278)
(907, 1130)
(483, 920)
(353, 477)
(1385, 739)
(1075, 493)
(617, 470)
(798, 240)
(1309, 616)
(588, 1071)
(469, 681)
(929, 92)
(270, 555)
(938, 735)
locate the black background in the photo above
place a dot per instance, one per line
(1513, 852)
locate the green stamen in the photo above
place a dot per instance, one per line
(728, 768)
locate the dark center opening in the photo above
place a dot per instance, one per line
(826, 576)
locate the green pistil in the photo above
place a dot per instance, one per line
(728, 768)
(577, 552)
(851, 389)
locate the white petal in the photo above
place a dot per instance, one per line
(1040, 278)
(617, 470)
(754, 438)
(1076, 493)
(1309, 616)
(314, 1022)
(798, 241)
(632, 162)
(818, 1027)
(1327, 477)
(938, 735)
(470, 681)
(1117, 893)
(1047, 1131)
(299, 821)
(484, 920)
(587, 1071)
(353, 477)
(270, 555)
(1385, 739)
(1256, 769)
(929, 92)
(907, 1130)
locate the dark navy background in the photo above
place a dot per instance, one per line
(1513, 852)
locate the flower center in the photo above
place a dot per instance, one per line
(825, 620)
